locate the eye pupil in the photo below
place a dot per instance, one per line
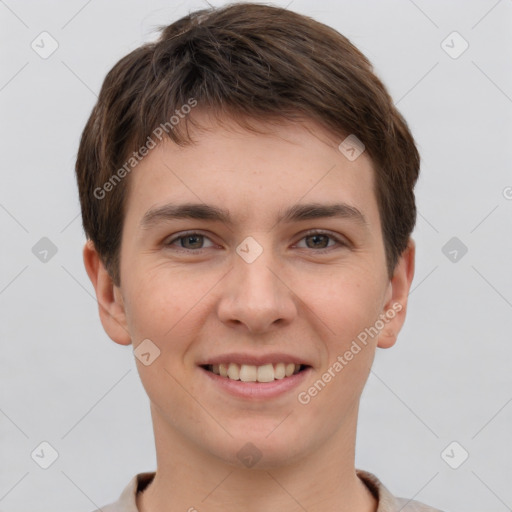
(189, 238)
(323, 238)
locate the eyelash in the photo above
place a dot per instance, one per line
(182, 236)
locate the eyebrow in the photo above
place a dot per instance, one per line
(295, 213)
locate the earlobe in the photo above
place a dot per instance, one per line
(110, 304)
(396, 305)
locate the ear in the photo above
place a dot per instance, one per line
(110, 301)
(397, 295)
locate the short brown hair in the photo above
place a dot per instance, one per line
(248, 61)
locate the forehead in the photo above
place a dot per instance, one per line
(253, 175)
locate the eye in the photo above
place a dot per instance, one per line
(321, 240)
(189, 241)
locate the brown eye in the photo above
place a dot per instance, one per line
(192, 241)
(321, 241)
(317, 241)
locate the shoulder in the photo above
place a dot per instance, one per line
(387, 501)
(127, 501)
(113, 507)
(414, 506)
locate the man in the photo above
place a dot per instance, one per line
(247, 193)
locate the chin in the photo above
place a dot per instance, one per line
(256, 451)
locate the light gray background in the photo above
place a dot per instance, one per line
(449, 376)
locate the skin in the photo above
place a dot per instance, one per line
(292, 299)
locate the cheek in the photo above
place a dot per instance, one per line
(346, 305)
(163, 312)
(160, 300)
(349, 353)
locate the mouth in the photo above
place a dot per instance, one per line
(265, 373)
(256, 377)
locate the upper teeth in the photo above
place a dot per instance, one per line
(252, 373)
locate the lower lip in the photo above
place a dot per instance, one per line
(257, 390)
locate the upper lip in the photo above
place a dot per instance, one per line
(253, 359)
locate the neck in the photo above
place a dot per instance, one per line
(187, 479)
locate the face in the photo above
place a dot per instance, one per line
(253, 253)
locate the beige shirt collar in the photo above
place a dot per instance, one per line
(387, 502)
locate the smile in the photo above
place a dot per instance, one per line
(252, 373)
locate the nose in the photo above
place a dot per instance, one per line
(256, 296)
